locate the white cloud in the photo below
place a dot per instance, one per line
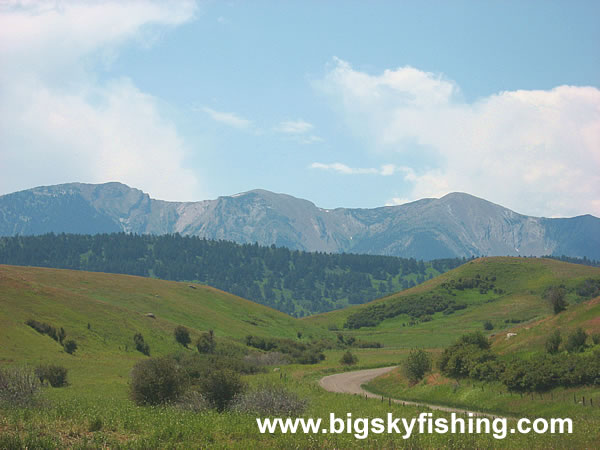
(310, 139)
(299, 131)
(342, 168)
(534, 151)
(385, 170)
(58, 123)
(229, 119)
(295, 127)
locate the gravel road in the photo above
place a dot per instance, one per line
(351, 383)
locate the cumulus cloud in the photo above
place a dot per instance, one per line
(229, 119)
(534, 151)
(59, 123)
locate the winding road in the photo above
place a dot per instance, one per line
(351, 383)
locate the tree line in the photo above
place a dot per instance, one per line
(295, 282)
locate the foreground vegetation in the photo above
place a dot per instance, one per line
(549, 377)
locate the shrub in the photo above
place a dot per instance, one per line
(269, 400)
(62, 334)
(70, 346)
(417, 365)
(553, 342)
(308, 357)
(182, 335)
(556, 295)
(487, 368)
(368, 344)
(477, 339)
(156, 380)
(206, 342)
(596, 338)
(588, 288)
(140, 345)
(460, 358)
(18, 386)
(300, 352)
(220, 386)
(349, 359)
(267, 359)
(487, 325)
(576, 341)
(44, 328)
(192, 401)
(56, 376)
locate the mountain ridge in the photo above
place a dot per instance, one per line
(455, 225)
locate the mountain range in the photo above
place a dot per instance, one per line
(456, 225)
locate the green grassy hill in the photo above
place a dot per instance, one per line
(115, 307)
(506, 291)
(528, 340)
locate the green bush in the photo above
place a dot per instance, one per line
(487, 325)
(182, 335)
(70, 346)
(557, 295)
(206, 342)
(553, 342)
(458, 360)
(140, 345)
(416, 365)
(367, 344)
(44, 328)
(348, 359)
(56, 376)
(267, 359)
(416, 306)
(220, 386)
(62, 334)
(576, 341)
(596, 338)
(197, 366)
(156, 381)
(300, 352)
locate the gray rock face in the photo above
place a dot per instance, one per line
(455, 225)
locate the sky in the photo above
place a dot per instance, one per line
(343, 103)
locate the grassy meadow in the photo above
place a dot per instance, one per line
(103, 311)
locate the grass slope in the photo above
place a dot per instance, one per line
(115, 308)
(522, 280)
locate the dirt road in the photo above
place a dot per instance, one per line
(351, 383)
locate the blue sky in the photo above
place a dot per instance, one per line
(354, 104)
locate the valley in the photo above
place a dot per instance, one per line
(102, 312)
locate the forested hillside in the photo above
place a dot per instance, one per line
(295, 282)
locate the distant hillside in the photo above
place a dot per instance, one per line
(102, 312)
(457, 225)
(297, 283)
(503, 290)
